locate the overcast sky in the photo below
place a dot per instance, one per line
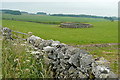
(102, 7)
(60, 1)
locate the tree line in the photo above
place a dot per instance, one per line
(86, 16)
(15, 12)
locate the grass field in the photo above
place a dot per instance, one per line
(50, 19)
(18, 63)
(101, 32)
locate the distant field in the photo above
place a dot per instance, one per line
(101, 32)
(50, 19)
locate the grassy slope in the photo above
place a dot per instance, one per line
(38, 18)
(102, 32)
(18, 62)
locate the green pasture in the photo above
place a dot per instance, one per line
(50, 19)
(101, 32)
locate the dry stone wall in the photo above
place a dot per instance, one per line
(67, 61)
(75, 25)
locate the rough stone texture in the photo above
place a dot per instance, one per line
(69, 62)
(6, 32)
(66, 61)
(75, 25)
(48, 48)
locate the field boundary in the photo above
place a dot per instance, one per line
(97, 45)
(51, 23)
(66, 61)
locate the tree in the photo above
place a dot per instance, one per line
(41, 13)
(11, 12)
